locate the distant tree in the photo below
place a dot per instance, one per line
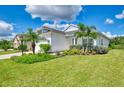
(5, 45)
(117, 42)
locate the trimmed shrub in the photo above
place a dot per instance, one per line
(30, 58)
(101, 50)
(15, 48)
(22, 47)
(45, 47)
(76, 46)
(74, 51)
(71, 52)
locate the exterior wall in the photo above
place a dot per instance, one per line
(16, 42)
(59, 42)
(45, 35)
(98, 41)
(29, 46)
(69, 40)
(69, 36)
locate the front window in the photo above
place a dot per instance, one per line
(85, 42)
(72, 41)
(88, 42)
(101, 41)
(75, 41)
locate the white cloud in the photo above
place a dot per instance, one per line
(5, 26)
(110, 35)
(7, 37)
(109, 21)
(120, 16)
(62, 27)
(6, 29)
(57, 26)
(54, 12)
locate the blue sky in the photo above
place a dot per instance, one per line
(16, 19)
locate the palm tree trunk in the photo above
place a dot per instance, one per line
(88, 43)
(33, 47)
(22, 48)
(82, 44)
(22, 52)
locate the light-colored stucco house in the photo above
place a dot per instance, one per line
(62, 40)
(17, 41)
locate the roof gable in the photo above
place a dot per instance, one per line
(74, 28)
(52, 30)
(71, 28)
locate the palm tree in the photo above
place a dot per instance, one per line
(91, 33)
(33, 37)
(81, 33)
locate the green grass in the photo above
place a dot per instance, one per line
(8, 52)
(96, 70)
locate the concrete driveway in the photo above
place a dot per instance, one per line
(6, 56)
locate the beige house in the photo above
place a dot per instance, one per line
(17, 41)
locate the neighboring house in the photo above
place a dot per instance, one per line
(17, 41)
(62, 40)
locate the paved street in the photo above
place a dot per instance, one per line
(6, 56)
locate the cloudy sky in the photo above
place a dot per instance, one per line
(16, 19)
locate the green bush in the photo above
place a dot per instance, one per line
(118, 46)
(22, 47)
(15, 48)
(101, 50)
(71, 52)
(45, 47)
(65, 52)
(111, 46)
(76, 46)
(30, 58)
(74, 51)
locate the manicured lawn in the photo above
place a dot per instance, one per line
(97, 70)
(8, 52)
